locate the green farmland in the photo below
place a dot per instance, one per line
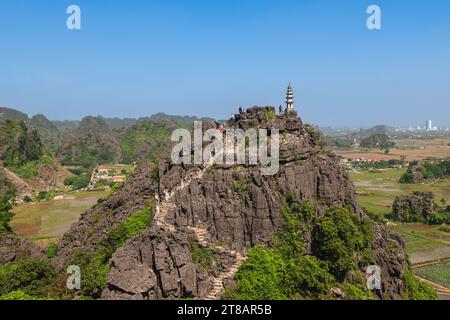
(376, 193)
(45, 222)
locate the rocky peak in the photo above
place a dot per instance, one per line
(91, 124)
(225, 209)
(413, 207)
(266, 117)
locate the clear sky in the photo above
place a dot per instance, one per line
(207, 57)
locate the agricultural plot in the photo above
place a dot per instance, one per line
(376, 193)
(438, 273)
(45, 222)
(423, 242)
(412, 149)
(378, 190)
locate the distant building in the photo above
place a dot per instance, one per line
(118, 179)
(429, 126)
(103, 170)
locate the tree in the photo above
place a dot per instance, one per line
(7, 197)
(403, 159)
(380, 141)
(337, 236)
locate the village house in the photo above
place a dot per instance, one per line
(103, 170)
(118, 179)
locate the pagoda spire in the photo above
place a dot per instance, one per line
(289, 98)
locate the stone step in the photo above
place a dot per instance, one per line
(217, 285)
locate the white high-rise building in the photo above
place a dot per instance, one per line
(429, 125)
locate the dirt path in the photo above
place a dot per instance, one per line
(430, 263)
(440, 290)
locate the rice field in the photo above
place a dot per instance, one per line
(45, 222)
(376, 192)
(438, 273)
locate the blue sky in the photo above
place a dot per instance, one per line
(207, 57)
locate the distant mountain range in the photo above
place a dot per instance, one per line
(98, 140)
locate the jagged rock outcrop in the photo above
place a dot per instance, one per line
(227, 209)
(13, 247)
(414, 207)
(158, 265)
(240, 207)
(389, 255)
(93, 224)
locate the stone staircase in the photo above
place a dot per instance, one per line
(218, 285)
(161, 212)
(201, 234)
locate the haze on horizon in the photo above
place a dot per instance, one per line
(207, 58)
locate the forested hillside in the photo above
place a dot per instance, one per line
(92, 143)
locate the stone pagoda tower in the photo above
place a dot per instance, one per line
(289, 99)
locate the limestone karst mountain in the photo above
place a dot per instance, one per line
(47, 131)
(90, 144)
(205, 220)
(26, 162)
(146, 139)
(12, 114)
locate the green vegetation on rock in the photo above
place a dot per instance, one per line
(260, 277)
(284, 271)
(145, 140)
(27, 278)
(48, 132)
(427, 170)
(417, 290)
(21, 149)
(78, 182)
(92, 143)
(95, 265)
(11, 114)
(203, 256)
(7, 197)
(338, 236)
(19, 295)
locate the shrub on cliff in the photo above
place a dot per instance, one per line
(7, 196)
(204, 257)
(95, 265)
(337, 236)
(5, 218)
(18, 295)
(417, 290)
(32, 277)
(261, 276)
